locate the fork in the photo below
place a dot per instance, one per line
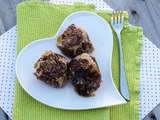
(117, 22)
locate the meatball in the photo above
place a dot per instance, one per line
(85, 74)
(52, 69)
(74, 41)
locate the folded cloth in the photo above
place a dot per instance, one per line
(37, 20)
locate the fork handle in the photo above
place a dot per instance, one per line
(123, 82)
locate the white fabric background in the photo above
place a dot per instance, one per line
(149, 74)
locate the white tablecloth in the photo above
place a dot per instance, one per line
(149, 74)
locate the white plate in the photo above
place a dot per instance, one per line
(66, 98)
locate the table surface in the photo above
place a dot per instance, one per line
(150, 68)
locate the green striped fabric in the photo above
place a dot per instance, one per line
(37, 20)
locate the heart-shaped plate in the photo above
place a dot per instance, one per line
(100, 33)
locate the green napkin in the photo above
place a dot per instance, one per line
(37, 20)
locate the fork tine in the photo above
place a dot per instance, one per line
(119, 16)
(116, 16)
(122, 17)
(112, 18)
(112, 22)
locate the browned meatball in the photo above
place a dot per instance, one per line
(74, 41)
(51, 68)
(85, 74)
